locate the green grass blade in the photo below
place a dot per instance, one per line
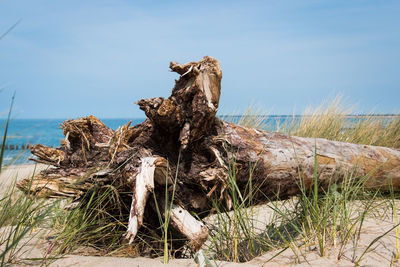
(3, 144)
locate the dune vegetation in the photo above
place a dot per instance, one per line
(326, 223)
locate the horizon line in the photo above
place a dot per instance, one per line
(220, 116)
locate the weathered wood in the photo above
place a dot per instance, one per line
(143, 186)
(195, 231)
(280, 161)
(183, 146)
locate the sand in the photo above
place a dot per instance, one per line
(381, 254)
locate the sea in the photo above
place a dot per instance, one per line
(24, 132)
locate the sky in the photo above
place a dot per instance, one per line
(67, 59)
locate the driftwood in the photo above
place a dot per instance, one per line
(184, 145)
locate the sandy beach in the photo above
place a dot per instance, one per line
(36, 247)
(380, 254)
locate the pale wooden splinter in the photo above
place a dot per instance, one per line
(193, 229)
(181, 219)
(144, 185)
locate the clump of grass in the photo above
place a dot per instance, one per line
(334, 217)
(95, 226)
(168, 203)
(233, 231)
(326, 219)
(388, 133)
(396, 221)
(334, 121)
(3, 143)
(99, 222)
(236, 231)
(19, 216)
(323, 219)
(253, 117)
(327, 121)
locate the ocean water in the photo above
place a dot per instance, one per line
(39, 131)
(47, 131)
(22, 132)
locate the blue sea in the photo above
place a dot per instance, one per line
(39, 131)
(22, 132)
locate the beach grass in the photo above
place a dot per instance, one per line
(21, 218)
(334, 120)
(327, 221)
(323, 220)
(20, 215)
(95, 225)
(4, 140)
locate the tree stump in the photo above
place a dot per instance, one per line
(184, 146)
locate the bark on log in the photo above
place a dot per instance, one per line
(182, 136)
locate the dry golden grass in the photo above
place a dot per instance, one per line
(333, 120)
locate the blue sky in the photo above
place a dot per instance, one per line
(69, 59)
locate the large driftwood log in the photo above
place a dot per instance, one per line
(182, 136)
